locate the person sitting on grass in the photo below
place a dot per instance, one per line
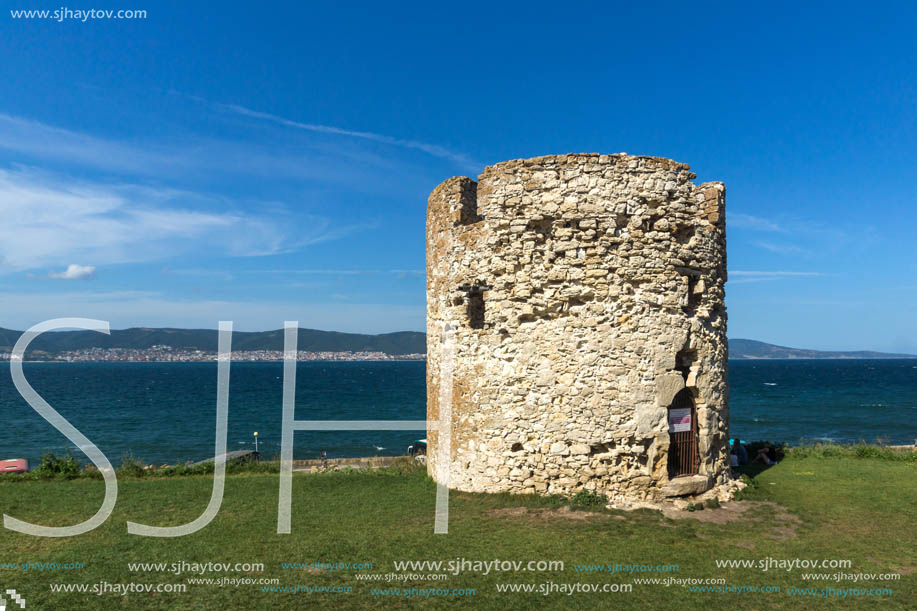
(767, 454)
(741, 452)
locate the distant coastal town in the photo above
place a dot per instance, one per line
(167, 354)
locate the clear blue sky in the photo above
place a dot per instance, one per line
(261, 165)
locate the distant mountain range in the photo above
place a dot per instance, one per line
(751, 349)
(311, 340)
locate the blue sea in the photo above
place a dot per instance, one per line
(165, 412)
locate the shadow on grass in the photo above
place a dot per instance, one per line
(752, 469)
(754, 466)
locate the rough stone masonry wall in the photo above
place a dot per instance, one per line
(586, 291)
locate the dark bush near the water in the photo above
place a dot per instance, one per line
(54, 467)
(130, 466)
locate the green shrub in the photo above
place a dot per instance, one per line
(750, 482)
(402, 466)
(182, 469)
(252, 466)
(54, 467)
(207, 468)
(587, 499)
(713, 503)
(130, 466)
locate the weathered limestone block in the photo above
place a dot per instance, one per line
(683, 486)
(650, 419)
(667, 386)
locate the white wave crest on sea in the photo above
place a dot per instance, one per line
(770, 383)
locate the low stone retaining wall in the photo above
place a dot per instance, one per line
(372, 462)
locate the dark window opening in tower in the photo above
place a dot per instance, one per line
(474, 302)
(476, 309)
(694, 289)
(694, 292)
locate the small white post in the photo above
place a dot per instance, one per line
(256, 441)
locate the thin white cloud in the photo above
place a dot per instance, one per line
(770, 273)
(747, 221)
(192, 156)
(817, 236)
(47, 142)
(430, 149)
(834, 302)
(74, 272)
(745, 276)
(124, 309)
(341, 272)
(210, 274)
(49, 220)
(781, 249)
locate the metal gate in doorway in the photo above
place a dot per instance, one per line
(683, 456)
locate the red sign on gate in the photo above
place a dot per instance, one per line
(680, 420)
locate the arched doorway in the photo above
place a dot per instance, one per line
(683, 455)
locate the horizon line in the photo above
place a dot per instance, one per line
(281, 330)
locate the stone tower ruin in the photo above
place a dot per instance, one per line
(586, 293)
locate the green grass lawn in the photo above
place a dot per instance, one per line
(840, 508)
